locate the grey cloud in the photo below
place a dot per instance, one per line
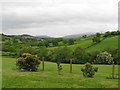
(59, 15)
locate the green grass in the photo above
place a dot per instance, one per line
(83, 43)
(49, 78)
(111, 42)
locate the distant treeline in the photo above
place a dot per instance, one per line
(15, 46)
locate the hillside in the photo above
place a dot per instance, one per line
(78, 35)
(44, 37)
(111, 42)
(14, 46)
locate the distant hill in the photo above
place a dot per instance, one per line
(44, 37)
(77, 35)
(23, 35)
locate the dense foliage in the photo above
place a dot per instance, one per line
(89, 70)
(28, 62)
(58, 49)
(104, 58)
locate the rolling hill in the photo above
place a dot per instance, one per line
(110, 42)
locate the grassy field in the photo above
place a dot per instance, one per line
(111, 42)
(49, 78)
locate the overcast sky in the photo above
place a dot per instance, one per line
(58, 17)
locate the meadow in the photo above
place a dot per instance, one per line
(111, 42)
(12, 78)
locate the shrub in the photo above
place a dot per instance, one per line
(28, 62)
(96, 40)
(89, 70)
(59, 67)
(104, 58)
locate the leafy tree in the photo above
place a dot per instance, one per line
(28, 62)
(84, 36)
(114, 52)
(70, 41)
(104, 58)
(40, 44)
(113, 33)
(61, 54)
(55, 43)
(46, 43)
(96, 39)
(98, 34)
(65, 41)
(42, 52)
(91, 56)
(79, 55)
(25, 49)
(107, 34)
(89, 70)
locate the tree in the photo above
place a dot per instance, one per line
(114, 33)
(91, 56)
(40, 44)
(42, 52)
(79, 55)
(98, 34)
(61, 54)
(106, 58)
(70, 41)
(84, 36)
(46, 43)
(89, 70)
(96, 39)
(55, 43)
(107, 34)
(28, 62)
(65, 41)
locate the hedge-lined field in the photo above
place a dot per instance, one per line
(108, 43)
(49, 78)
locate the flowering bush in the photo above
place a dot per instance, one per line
(28, 62)
(104, 58)
(89, 70)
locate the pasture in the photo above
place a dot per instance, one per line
(12, 78)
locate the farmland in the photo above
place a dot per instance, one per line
(81, 50)
(49, 78)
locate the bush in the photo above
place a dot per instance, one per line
(28, 62)
(104, 58)
(89, 70)
(59, 67)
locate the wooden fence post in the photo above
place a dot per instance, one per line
(43, 64)
(113, 70)
(70, 65)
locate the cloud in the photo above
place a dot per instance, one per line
(59, 18)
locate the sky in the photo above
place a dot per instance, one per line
(58, 18)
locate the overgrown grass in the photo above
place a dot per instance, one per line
(49, 78)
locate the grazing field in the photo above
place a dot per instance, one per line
(49, 78)
(111, 42)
